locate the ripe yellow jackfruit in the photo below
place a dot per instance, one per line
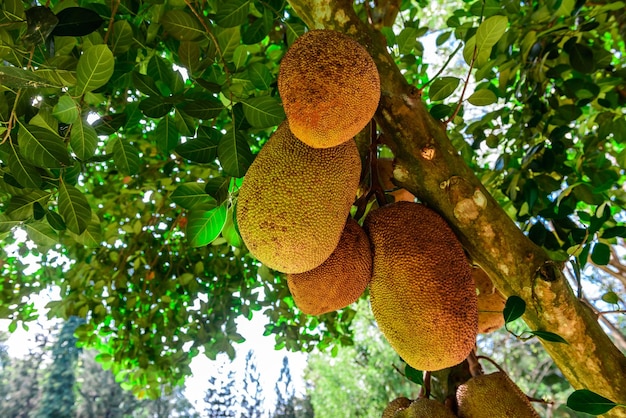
(490, 303)
(294, 201)
(329, 86)
(493, 395)
(338, 281)
(425, 408)
(396, 405)
(422, 293)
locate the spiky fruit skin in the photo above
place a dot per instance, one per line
(492, 396)
(490, 303)
(329, 86)
(425, 408)
(294, 201)
(396, 405)
(422, 294)
(338, 281)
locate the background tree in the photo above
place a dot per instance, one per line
(285, 393)
(252, 393)
(126, 129)
(221, 395)
(58, 390)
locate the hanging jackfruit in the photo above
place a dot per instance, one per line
(294, 201)
(338, 281)
(422, 293)
(493, 395)
(329, 86)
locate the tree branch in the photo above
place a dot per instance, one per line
(430, 168)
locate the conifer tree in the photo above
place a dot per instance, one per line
(221, 396)
(252, 396)
(285, 404)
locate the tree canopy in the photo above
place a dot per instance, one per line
(127, 126)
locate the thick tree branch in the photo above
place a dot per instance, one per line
(430, 167)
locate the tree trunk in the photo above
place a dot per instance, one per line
(430, 167)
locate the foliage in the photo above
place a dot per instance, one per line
(126, 128)
(361, 379)
(252, 394)
(221, 395)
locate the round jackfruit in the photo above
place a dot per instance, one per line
(396, 405)
(425, 408)
(490, 303)
(338, 281)
(294, 201)
(329, 86)
(422, 293)
(493, 395)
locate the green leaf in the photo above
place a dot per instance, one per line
(83, 139)
(200, 150)
(122, 38)
(145, 84)
(65, 110)
(442, 88)
(42, 147)
(155, 107)
(611, 297)
(20, 207)
(513, 309)
(414, 375)
(581, 58)
(6, 223)
(294, 30)
(232, 13)
(206, 108)
(482, 97)
(601, 254)
(182, 25)
(255, 32)
(25, 173)
(41, 233)
(193, 196)
(95, 68)
(56, 221)
(126, 157)
(490, 31)
(234, 154)
(549, 336)
(92, 235)
(74, 208)
(17, 78)
(228, 40)
(203, 227)
(407, 40)
(218, 187)
(166, 135)
(260, 76)
(263, 112)
(584, 400)
(76, 21)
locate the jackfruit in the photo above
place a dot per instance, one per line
(396, 405)
(425, 408)
(422, 293)
(490, 303)
(338, 281)
(294, 201)
(329, 86)
(492, 396)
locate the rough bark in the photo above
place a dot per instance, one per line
(430, 167)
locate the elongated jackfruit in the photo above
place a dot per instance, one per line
(493, 395)
(490, 303)
(422, 294)
(338, 281)
(329, 86)
(425, 408)
(294, 201)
